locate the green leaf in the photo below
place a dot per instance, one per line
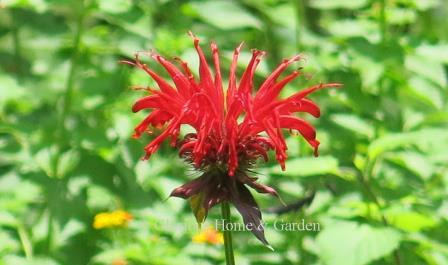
(413, 161)
(44, 159)
(433, 71)
(408, 220)
(400, 16)
(7, 218)
(426, 92)
(114, 6)
(351, 28)
(354, 123)
(197, 206)
(331, 4)
(8, 243)
(67, 162)
(99, 197)
(424, 138)
(225, 14)
(15, 196)
(436, 53)
(308, 166)
(351, 243)
(10, 89)
(17, 260)
(424, 5)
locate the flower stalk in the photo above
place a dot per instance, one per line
(228, 246)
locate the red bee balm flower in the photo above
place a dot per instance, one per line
(234, 127)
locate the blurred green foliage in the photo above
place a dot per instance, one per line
(65, 126)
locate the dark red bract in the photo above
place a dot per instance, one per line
(234, 127)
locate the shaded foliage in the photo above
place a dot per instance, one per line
(66, 154)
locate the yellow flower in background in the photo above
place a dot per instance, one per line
(119, 262)
(209, 236)
(118, 218)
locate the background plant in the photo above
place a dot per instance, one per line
(380, 185)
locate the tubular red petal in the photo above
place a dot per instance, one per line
(291, 122)
(218, 86)
(246, 82)
(155, 144)
(152, 101)
(127, 62)
(231, 90)
(304, 105)
(163, 85)
(186, 147)
(306, 92)
(270, 80)
(272, 93)
(157, 117)
(180, 80)
(204, 71)
(278, 144)
(142, 126)
(194, 87)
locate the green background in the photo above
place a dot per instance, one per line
(65, 124)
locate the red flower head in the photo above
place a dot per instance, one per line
(234, 127)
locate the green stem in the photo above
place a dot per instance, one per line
(25, 241)
(225, 209)
(364, 181)
(49, 238)
(72, 70)
(383, 22)
(17, 44)
(68, 94)
(61, 142)
(300, 25)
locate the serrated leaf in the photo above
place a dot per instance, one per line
(67, 162)
(351, 243)
(408, 220)
(308, 166)
(354, 123)
(351, 28)
(225, 14)
(433, 71)
(426, 92)
(436, 53)
(44, 159)
(99, 197)
(72, 228)
(413, 161)
(114, 6)
(331, 4)
(423, 138)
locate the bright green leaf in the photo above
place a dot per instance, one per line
(225, 14)
(415, 162)
(354, 123)
(433, 71)
(331, 4)
(115, 6)
(308, 166)
(351, 243)
(409, 221)
(197, 206)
